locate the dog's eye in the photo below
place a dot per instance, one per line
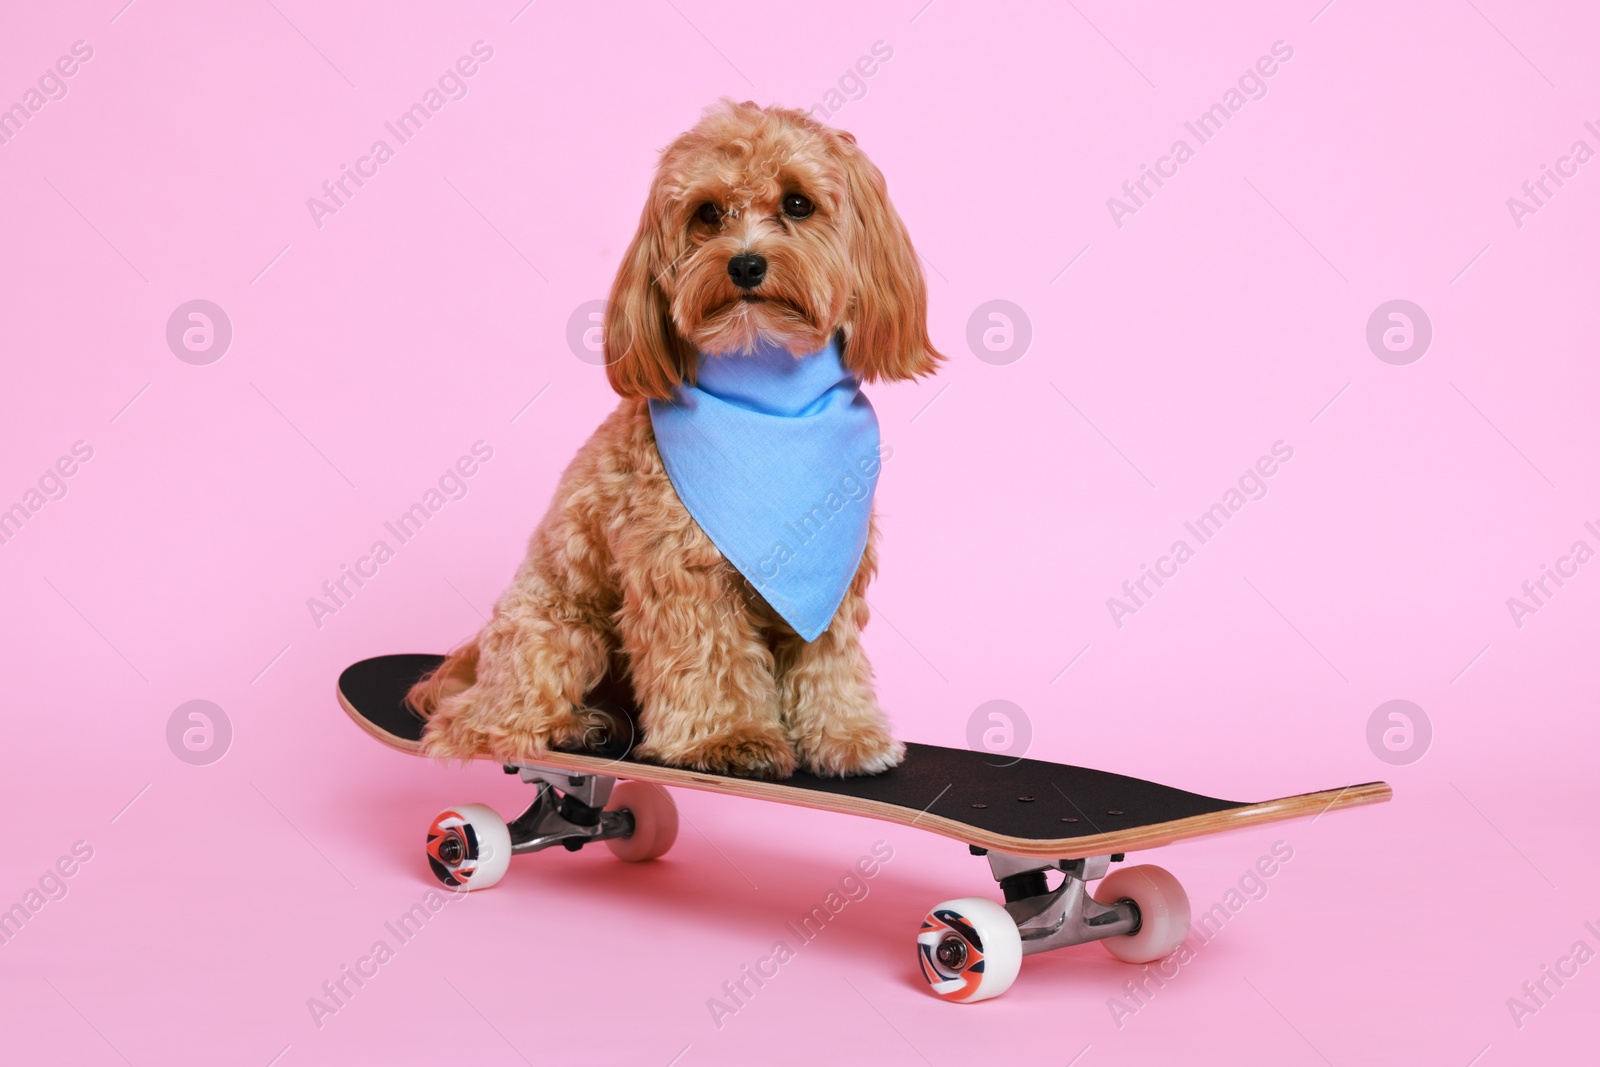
(797, 206)
(710, 214)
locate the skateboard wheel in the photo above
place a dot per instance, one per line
(1163, 912)
(969, 949)
(655, 821)
(469, 847)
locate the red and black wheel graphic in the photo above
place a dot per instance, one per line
(452, 849)
(952, 954)
(970, 949)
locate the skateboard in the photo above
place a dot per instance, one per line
(1027, 817)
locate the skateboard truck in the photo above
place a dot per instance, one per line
(569, 810)
(971, 949)
(470, 846)
(1067, 915)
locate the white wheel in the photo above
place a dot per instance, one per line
(469, 847)
(655, 821)
(969, 949)
(1163, 912)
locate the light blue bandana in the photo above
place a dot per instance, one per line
(777, 459)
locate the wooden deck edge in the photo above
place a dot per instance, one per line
(371, 728)
(1305, 805)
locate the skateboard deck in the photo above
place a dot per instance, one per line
(1021, 807)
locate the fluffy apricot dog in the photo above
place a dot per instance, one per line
(762, 228)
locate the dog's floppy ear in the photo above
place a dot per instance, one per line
(645, 357)
(887, 328)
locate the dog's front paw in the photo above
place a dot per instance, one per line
(839, 753)
(463, 729)
(452, 737)
(745, 752)
(540, 729)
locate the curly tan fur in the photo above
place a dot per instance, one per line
(618, 571)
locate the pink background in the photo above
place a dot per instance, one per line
(1227, 314)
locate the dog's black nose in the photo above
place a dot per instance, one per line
(747, 270)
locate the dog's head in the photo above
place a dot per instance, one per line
(763, 224)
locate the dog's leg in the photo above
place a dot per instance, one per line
(825, 687)
(519, 689)
(701, 670)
